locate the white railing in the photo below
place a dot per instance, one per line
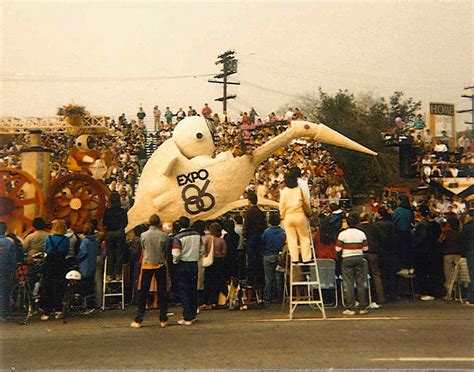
(56, 124)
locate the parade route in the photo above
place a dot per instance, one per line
(400, 335)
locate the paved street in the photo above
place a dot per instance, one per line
(435, 335)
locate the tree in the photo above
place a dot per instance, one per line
(405, 109)
(362, 120)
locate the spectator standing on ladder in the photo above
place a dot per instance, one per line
(115, 220)
(294, 206)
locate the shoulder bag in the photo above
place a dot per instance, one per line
(209, 259)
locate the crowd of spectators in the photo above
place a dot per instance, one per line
(404, 237)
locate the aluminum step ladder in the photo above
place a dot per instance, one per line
(309, 284)
(112, 288)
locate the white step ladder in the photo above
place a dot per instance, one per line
(112, 288)
(310, 273)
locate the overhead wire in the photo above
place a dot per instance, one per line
(89, 79)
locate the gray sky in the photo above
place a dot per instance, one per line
(122, 54)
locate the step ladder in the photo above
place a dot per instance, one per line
(311, 282)
(112, 288)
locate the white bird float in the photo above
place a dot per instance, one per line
(182, 178)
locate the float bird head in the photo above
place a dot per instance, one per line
(195, 136)
(324, 134)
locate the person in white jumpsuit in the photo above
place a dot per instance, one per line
(293, 201)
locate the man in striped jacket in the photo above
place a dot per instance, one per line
(353, 243)
(186, 250)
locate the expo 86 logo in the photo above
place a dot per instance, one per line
(196, 199)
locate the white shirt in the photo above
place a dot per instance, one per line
(440, 147)
(352, 242)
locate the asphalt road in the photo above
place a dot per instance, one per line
(424, 335)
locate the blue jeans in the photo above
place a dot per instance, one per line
(186, 274)
(273, 282)
(147, 276)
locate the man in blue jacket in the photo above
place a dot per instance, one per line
(7, 269)
(273, 241)
(87, 259)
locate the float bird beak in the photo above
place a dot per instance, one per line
(331, 137)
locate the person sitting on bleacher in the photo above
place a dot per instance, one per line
(441, 150)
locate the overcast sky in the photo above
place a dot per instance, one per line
(112, 56)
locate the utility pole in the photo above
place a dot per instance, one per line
(471, 110)
(229, 67)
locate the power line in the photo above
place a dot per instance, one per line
(89, 79)
(271, 90)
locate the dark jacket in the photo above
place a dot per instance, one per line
(426, 236)
(467, 238)
(388, 236)
(373, 234)
(450, 242)
(115, 219)
(273, 240)
(335, 219)
(254, 222)
(7, 258)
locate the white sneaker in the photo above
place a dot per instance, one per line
(403, 272)
(44, 317)
(163, 324)
(349, 312)
(426, 298)
(135, 324)
(363, 311)
(185, 322)
(58, 315)
(374, 305)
